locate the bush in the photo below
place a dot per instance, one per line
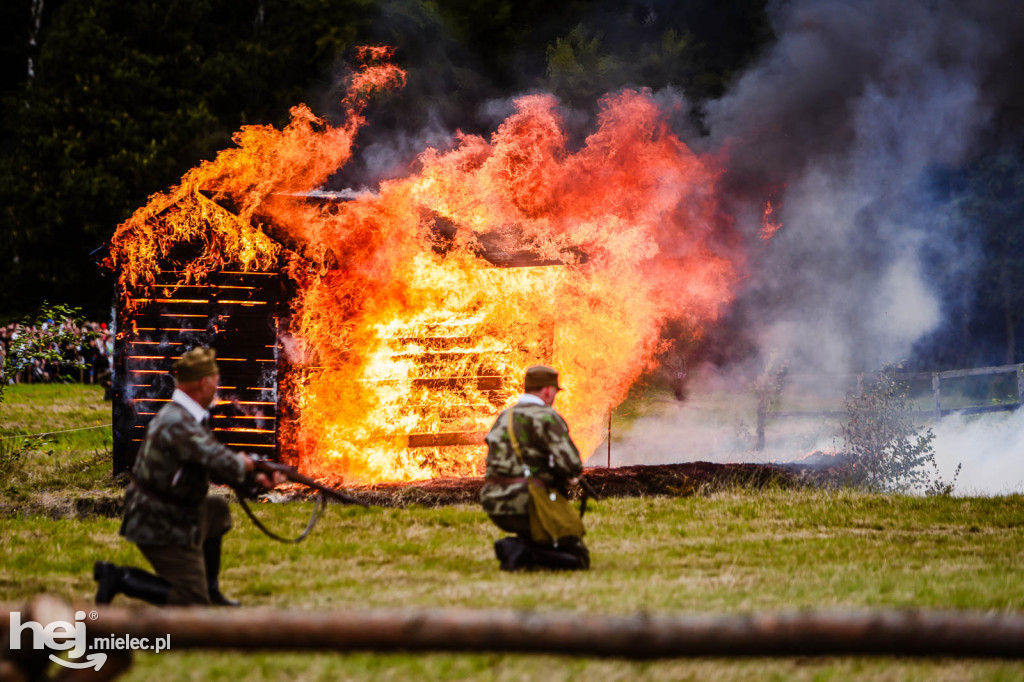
(885, 451)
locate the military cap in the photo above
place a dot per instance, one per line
(196, 364)
(539, 376)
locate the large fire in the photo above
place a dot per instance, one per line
(410, 332)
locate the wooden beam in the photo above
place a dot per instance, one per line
(438, 440)
(927, 634)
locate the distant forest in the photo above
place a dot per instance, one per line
(108, 101)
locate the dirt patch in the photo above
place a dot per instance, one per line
(673, 480)
(65, 505)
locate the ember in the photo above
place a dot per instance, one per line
(412, 320)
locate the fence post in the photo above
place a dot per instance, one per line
(935, 394)
(609, 436)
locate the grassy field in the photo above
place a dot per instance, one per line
(731, 552)
(73, 455)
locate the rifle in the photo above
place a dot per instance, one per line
(269, 467)
(587, 491)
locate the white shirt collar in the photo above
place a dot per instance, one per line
(194, 408)
(530, 399)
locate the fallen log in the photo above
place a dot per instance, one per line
(908, 633)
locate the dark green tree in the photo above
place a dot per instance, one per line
(125, 96)
(695, 47)
(992, 208)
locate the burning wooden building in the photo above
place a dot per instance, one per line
(239, 313)
(244, 315)
(376, 336)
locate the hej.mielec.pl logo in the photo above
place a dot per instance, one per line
(61, 635)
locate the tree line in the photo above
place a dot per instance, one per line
(107, 101)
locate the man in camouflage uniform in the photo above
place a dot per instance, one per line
(167, 511)
(550, 455)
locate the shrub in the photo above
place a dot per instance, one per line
(44, 338)
(885, 451)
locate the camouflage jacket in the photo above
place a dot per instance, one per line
(547, 450)
(171, 477)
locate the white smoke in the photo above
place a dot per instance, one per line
(988, 449)
(991, 449)
(698, 431)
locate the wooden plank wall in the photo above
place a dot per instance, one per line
(237, 314)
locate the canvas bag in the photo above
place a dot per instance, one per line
(551, 515)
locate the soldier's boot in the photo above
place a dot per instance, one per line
(107, 582)
(580, 551)
(512, 552)
(113, 580)
(211, 557)
(557, 559)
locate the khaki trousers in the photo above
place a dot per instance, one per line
(184, 567)
(513, 523)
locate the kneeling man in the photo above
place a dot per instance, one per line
(539, 448)
(167, 511)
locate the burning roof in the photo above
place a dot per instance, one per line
(409, 328)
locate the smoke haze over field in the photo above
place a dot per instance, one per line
(990, 448)
(842, 122)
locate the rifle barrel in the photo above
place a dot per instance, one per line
(292, 474)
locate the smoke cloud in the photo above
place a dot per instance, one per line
(990, 448)
(842, 122)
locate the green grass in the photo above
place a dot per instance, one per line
(35, 408)
(74, 453)
(731, 552)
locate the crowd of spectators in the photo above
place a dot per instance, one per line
(84, 356)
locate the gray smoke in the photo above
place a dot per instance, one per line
(841, 122)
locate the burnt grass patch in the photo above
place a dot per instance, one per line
(669, 480)
(664, 480)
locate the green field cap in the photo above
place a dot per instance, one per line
(539, 376)
(196, 364)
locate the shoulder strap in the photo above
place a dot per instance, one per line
(511, 427)
(318, 508)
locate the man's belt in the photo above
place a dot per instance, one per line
(506, 480)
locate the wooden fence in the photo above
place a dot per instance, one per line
(937, 411)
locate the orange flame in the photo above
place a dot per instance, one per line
(769, 225)
(409, 338)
